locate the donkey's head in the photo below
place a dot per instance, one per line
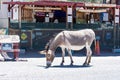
(49, 57)
(49, 54)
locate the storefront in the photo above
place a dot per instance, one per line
(39, 17)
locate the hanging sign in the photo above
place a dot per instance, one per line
(105, 16)
(116, 19)
(69, 11)
(116, 11)
(69, 19)
(9, 14)
(51, 15)
(46, 19)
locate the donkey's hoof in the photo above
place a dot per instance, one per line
(71, 64)
(85, 64)
(61, 64)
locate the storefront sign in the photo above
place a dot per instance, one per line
(9, 39)
(26, 39)
(23, 36)
(92, 11)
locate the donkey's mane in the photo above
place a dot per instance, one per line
(50, 41)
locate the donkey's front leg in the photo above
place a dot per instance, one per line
(88, 56)
(86, 62)
(63, 55)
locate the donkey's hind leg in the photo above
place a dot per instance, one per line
(70, 54)
(63, 55)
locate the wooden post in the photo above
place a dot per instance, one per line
(116, 29)
(67, 18)
(8, 18)
(19, 16)
(114, 35)
(19, 21)
(16, 52)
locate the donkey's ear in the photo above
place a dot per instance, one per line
(42, 52)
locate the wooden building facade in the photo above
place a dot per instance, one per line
(42, 18)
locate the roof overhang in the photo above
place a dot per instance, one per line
(46, 3)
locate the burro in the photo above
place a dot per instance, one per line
(70, 40)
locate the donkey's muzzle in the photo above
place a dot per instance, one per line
(48, 64)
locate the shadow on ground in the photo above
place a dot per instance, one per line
(70, 66)
(36, 54)
(65, 66)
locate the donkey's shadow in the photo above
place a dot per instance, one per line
(67, 66)
(71, 66)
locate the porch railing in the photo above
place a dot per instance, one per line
(52, 26)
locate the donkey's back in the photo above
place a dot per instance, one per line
(78, 39)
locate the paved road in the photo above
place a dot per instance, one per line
(105, 67)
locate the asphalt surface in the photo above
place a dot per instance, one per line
(106, 66)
